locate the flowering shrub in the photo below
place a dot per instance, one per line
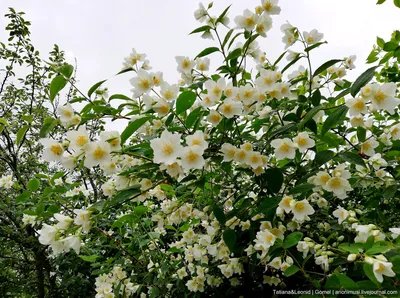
(240, 180)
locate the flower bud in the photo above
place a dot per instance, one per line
(351, 257)
(352, 219)
(340, 238)
(317, 247)
(369, 260)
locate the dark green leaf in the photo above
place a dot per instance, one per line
(268, 207)
(66, 70)
(185, 100)
(274, 179)
(229, 237)
(303, 188)
(381, 1)
(325, 66)
(222, 15)
(119, 96)
(335, 118)
(207, 51)
(279, 58)
(362, 80)
(390, 46)
(56, 85)
(390, 192)
(48, 124)
(397, 3)
(370, 273)
(310, 114)
(22, 197)
(234, 54)
(94, 87)
(292, 239)
(140, 210)
(291, 63)
(352, 158)
(227, 36)
(380, 42)
(323, 156)
(33, 184)
(219, 215)
(314, 46)
(201, 29)
(291, 270)
(193, 116)
(361, 133)
(342, 94)
(132, 127)
(21, 133)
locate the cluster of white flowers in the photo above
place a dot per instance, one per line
(286, 148)
(58, 236)
(29, 220)
(337, 182)
(106, 283)
(67, 115)
(168, 148)
(300, 209)
(245, 156)
(6, 181)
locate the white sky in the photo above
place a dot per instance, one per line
(100, 33)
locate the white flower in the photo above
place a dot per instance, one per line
(266, 80)
(97, 153)
(383, 97)
(286, 204)
(230, 108)
(284, 148)
(142, 83)
(339, 186)
(395, 132)
(167, 148)
(214, 117)
(201, 13)
(215, 89)
(203, 64)
(83, 218)
(377, 161)
(192, 158)
(161, 107)
(197, 139)
(77, 138)
(230, 91)
(349, 62)
(341, 214)
(301, 210)
(53, 150)
(72, 242)
(66, 113)
(133, 59)
(63, 221)
(169, 92)
(29, 219)
(304, 141)
(185, 64)
(254, 159)
(157, 78)
(246, 21)
(340, 72)
(47, 234)
(113, 138)
(275, 263)
(264, 240)
(229, 151)
(323, 261)
(288, 39)
(382, 268)
(271, 7)
(356, 106)
(313, 36)
(264, 24)
(302, 246)
(363, 232)
(395, 232)
(368, 147)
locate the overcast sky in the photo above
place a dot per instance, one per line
(100, 33)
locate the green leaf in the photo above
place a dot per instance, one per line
(352, 158)
(390, 46)
(3, 122)
(21, 133)
(291, 63)
(362, 80)
(340, 281)
(378, 248)
(291, 270)
(222, 15)
(354, 248)
(201, 29)
(229, 237)
(40, 209)
(89, 259)
(396, 264)
(274, 179)
(342, 94)
(316, 98)
(380, 2)
(33, 184)
(310, 114)
(22, 197)
(140, 210)
(361, 133)
(370, 273)
(48, 124)
(119, 96)
(323, 156)
(303, 188)
(66, 70)
(292, 239)
(234, 54)
(132, 127)
(389, 192)
(336, 117)
(94, 87)
(325, 66)
(314, 46)
(227, 36)
(268, 207)
(185, 100)
(397, 3)
(380, 42)
(193, 116)
(56, 85)
(207, 51)
(279, 58)
(219, 215)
